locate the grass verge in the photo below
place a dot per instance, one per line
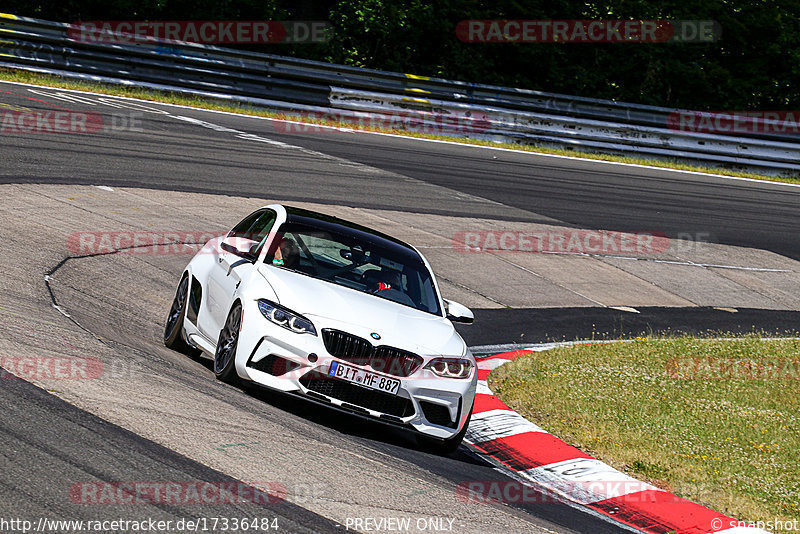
(22, 76)
(714, 421)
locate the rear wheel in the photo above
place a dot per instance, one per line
(173, 330)
(225, 356)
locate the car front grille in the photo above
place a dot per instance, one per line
(358, 396)
(382, 359)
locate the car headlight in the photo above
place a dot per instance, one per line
(286, 318)
(450, 367)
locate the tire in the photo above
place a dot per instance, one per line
(225, 355)
(444, 446)
(173, 329)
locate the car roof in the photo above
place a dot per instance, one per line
(298, 214)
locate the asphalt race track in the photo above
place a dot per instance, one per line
(155, 415)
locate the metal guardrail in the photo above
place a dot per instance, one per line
(285, 83)
(557, 130)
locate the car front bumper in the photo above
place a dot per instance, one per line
(276, 358)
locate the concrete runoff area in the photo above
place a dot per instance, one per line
(683, 274)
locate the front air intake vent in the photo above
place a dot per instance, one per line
(274, 365)
(437, 414)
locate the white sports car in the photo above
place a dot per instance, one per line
(342, 315)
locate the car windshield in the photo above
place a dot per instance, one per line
(353, 257)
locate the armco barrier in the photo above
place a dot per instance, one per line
(506, 124)
(284, 83)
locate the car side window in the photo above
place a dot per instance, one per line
(255, 227)
(242, 229)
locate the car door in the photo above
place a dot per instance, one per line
(233, 261)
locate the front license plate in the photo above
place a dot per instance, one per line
(359, 376)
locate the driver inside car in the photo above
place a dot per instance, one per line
(287, 254)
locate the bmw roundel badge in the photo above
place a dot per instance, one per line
(375, 335)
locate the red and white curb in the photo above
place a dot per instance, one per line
(532, 454)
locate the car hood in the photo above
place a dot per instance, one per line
(362, 314)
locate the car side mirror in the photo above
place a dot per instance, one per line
(228, 246)
(458, 313)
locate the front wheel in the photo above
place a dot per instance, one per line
(225, 355)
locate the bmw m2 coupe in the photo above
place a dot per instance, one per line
(332, 311)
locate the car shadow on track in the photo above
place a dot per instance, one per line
(373, 433)
(395, 445)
